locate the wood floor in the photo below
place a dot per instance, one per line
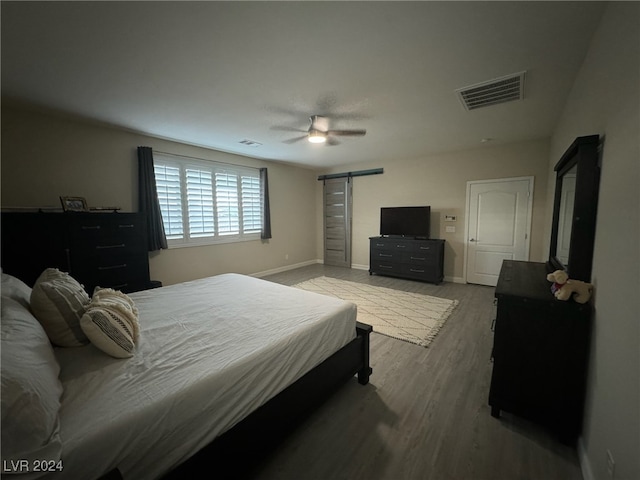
(424, 414)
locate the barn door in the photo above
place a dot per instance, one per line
(337, 221)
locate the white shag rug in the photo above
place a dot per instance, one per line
(412, 317)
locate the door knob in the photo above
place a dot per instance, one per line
(472, 239)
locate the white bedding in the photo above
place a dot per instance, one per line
(211, 351)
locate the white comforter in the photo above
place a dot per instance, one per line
(211, 351)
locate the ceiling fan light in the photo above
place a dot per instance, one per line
(317, 137)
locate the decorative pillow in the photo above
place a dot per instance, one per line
(30, 388)
(111, 323)
(16, 289)
(58, 301)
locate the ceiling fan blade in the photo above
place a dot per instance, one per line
(345, 133)
(295, 139)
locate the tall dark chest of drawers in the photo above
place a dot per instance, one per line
(540, 351)
(416, 259)
(97, 249)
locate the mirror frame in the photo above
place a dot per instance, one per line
(583, 153)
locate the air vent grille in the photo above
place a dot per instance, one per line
(250, 143)
(492, 92)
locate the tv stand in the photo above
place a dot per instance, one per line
(407, 257)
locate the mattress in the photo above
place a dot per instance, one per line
(211, 351)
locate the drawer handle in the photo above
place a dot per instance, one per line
(126, 226)
(113, 267)
(90, 227)
(416, 271)
(102, 247)
(385, 255)
(379, 244)
(417, 258)
(385, 266)
(425, 248)
(401, 246)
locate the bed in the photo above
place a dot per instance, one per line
(222, 368)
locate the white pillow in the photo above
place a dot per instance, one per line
(58, 301)
(111, 323)
(30, 389)
(16, 289)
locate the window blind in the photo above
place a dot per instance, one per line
(251, 204)
(205, 202)
(200, 202)
(168, 186)
(227, 203)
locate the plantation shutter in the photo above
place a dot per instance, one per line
(205, 202)
(200, 202)
(170, 198)
(251, 204)
(227, 203)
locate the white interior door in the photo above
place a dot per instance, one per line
(498, 226)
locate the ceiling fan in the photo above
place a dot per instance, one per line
(319, 132)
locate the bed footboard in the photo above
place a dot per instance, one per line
(239, 449)
(363, 330)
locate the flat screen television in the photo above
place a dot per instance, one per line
(406, 221)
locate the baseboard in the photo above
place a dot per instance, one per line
(454, 279)
(446, 279)
(583, 458)
(355, 267)
(360, 267)
(320, 261)
(284, 269)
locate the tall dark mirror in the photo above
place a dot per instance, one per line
(565, 215)
(574, 209)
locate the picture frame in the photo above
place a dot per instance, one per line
(74, 204)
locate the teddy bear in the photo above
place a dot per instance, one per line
(563, 288)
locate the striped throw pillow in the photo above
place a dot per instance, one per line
(58, 301)
(111, 323)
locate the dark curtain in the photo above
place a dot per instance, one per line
(266, 212)
(148, 200)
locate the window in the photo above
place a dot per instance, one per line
(205, 202)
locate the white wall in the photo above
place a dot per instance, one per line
(45, 155)
(441, 182)
(605, 100)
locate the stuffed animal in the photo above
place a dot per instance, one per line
(563, 288)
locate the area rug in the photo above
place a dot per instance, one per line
(412, 317)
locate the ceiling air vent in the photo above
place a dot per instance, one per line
(250, 143)
(499, 90)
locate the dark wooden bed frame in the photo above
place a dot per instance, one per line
(236, 452)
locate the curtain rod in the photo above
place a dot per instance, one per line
(359, 173)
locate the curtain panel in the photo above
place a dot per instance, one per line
(148, 200)
(266, 211)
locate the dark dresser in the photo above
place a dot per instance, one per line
(540, 351)
(97, 249)
(415, 259)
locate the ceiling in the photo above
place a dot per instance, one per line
(216, 73)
